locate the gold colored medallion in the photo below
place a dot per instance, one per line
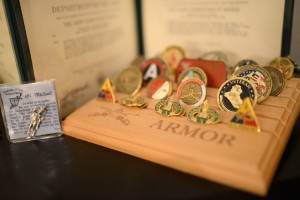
(191, 92)
(231, 94)
(172, 56)
(129, 81)
(138, 62)
(204, 115)
(169, 107)
(259, 76)
(284, 63)
(192, 72)
(278, 80)
(159, 88)
(245, 62)
(134, 101)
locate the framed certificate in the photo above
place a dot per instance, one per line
(256, 29)
(79, 43)
(87, 41)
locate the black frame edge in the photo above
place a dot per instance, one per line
(19, 38)
(138, 8)
(287, 28)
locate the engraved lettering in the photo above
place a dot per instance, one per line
(185, 131)
(172, 126)
(226, 139)
(190, 132)
(158, 124)
(209, 135)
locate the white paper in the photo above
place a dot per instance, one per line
(19, 101)
(9, 72)
(80, 43)
(242, 29)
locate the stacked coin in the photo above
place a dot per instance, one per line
(245, 62)
(138, 62)
(134, 101)
(285, 64)
(231, 94)
(218, 56)
(159, 88)
(172, 56)
(192, 72)
(259, 76)
(151, 69)
(192, 92)
(278, 81)
(129, 81)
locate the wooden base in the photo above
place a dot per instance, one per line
(235, 157)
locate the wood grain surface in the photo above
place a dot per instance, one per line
(235, 157)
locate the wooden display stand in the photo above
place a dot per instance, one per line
(235, 157)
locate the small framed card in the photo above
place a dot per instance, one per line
(30, 111)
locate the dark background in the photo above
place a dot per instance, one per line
(68, 168)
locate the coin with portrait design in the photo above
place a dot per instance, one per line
(231, 94)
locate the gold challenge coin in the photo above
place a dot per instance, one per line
(278, 80)
(129, 81)
(172, 56)
(193, 72)
(231, 94)
(191, 92)
(260, 77)
(284, 63)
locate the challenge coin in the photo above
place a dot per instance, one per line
(151, 69)
(172, 56)
(231, 94)
(138, 62)
(218, 56)
(204, 115)
(169, 107)
(278, 80)
(134, 101)
(129, 81)
(260, 77)
(214, 70)
(159, 88)
(284, 63)
(193, 72)
(191, 92)
(244, 62)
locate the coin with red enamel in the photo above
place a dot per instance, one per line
(192, 92)
(159, 88)
(151, 69)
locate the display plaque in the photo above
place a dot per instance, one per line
(239, 158)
